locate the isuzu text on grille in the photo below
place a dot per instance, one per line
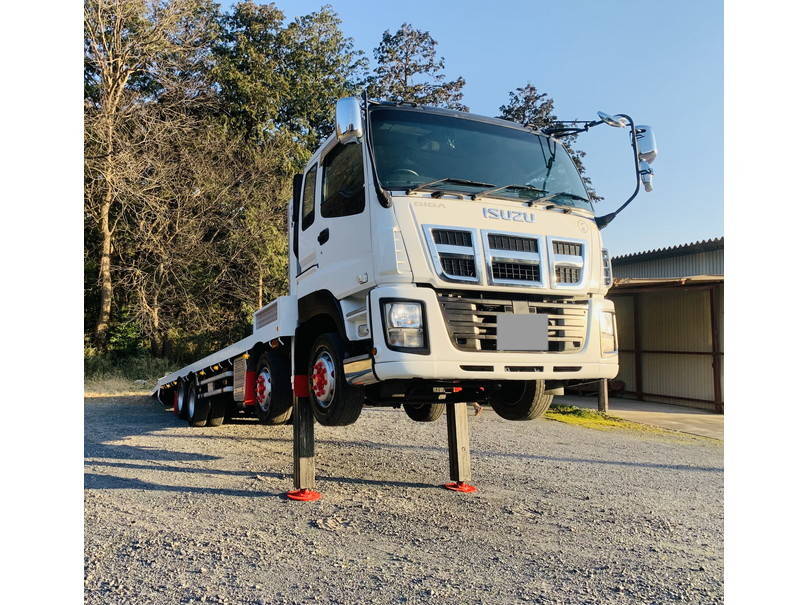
(509, 215)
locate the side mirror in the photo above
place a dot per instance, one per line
(646, 173)
(616, 122)
(348, 119)
(647, 143)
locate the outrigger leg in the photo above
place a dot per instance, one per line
(303, 439)
(459, 450)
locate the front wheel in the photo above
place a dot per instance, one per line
(521, 400)
(333, 401)
(425, 412)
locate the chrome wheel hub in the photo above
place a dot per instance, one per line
(263, 390)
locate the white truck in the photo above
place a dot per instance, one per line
(435, 257)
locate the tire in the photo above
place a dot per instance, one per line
(198, 408)
(273, 400)
(182, 399)
(425, 412)
(334, 402)
(521, 400)
(218, 410)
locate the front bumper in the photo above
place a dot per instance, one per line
(443, 361)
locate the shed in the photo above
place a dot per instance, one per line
(669, 306)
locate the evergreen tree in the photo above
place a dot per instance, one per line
(409, 70)
(275, 77)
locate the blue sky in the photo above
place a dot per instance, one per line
(660, 62)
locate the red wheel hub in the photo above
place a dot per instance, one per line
(319, 379)
(261, 388)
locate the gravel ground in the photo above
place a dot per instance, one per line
(563, 514)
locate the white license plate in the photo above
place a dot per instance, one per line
(522, 332)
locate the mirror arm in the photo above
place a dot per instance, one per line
(602, 221)
(383, 197)
(558, 129)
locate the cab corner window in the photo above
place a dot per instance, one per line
(343, 182)
(309, 188)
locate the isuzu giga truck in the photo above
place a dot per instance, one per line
(435, 257)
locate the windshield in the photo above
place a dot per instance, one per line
(414, 148)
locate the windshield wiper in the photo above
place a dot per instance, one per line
(447, 180)
(503, 187)
(552, 196)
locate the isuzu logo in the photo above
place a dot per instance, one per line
(509, 215)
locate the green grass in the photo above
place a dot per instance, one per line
(593, 419)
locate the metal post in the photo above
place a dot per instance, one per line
(602, 400)
(637, 348)
(459, 449)
(716, 369)
(303, 436)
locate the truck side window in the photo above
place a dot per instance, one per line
(309, 188)
(343, 182)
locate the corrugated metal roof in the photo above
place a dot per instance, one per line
(690, 280)
(702, 246)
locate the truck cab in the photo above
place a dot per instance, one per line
(448, 257)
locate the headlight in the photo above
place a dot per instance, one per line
(607, 272)
(608, 340)
(404, 324)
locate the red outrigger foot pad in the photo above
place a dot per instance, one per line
(305, 495)
(460, 486)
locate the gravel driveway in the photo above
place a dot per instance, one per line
(563, 514)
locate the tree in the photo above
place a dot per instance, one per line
(528, 107)
(408, 69)
(321, 66)
(124, 40)
(275, 77)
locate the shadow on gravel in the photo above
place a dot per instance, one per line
(130, 452)
(113, 482)
(482, 453)
(94, 481)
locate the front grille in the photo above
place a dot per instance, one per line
(515, 271)
(568, 248)
(510, 242)
(567, 275)
(460, 266)
(451, 237)
(471, 320)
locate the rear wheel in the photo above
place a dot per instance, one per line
(425, 412)
(218, 409)
(273, 401)
(198, 408)
(182, 399)
(521, 400)
(333, 400)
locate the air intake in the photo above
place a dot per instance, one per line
(458, 266)
(499, 241)
(450, 237)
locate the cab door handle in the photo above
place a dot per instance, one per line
(323, 236)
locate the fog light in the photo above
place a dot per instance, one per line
(404, 324)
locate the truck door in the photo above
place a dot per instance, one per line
(335, 238)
